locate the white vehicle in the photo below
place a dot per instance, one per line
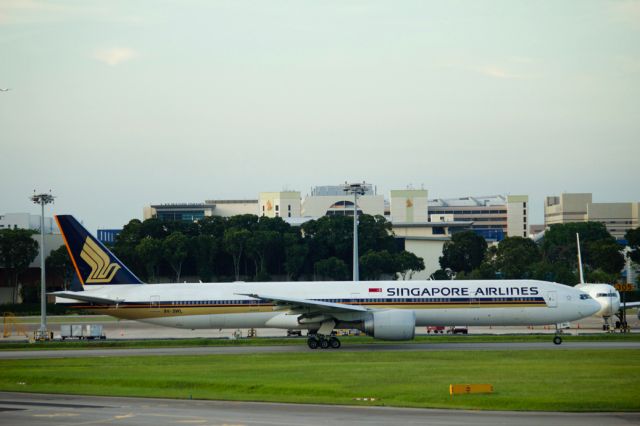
(389, 310)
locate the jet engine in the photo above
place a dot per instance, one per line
(394, 324)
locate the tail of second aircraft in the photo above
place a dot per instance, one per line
(94, 263)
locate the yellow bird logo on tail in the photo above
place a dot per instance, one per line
(102, 270)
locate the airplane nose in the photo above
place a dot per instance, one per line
(590, 308)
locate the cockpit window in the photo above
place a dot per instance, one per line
(584, 297)
(606, 295)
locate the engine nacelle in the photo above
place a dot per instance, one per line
(394, 324)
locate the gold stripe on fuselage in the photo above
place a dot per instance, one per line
(140, 311)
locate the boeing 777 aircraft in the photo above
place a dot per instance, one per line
(605, 294)
(388, 310)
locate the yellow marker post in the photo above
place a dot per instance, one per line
(459, 389)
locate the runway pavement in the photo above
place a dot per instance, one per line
(52, 410)
(221, 350)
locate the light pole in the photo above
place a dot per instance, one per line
(355, 189)
(42, 199)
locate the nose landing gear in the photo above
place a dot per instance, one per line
(557, 339)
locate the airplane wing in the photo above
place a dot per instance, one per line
(83, 297)
(307, 305)
(628, 305)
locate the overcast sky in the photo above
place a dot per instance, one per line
(120, 104)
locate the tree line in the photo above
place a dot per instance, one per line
(467, 255)
(256, 248)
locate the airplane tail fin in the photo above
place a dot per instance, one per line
(580, 259)
(93, 262)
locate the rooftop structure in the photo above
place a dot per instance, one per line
(579, 207)
(196, 211)
(494, 216)
(27, 221)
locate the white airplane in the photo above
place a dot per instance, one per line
(389, 310)
(605, 294)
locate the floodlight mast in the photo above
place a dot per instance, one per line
(355, 189)
(42, 199)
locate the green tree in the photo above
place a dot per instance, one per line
(149, 251)
(555, 272)
(441, 275)
(258, 245)
(126, 244)
(408, 264)
(633, 240)
(296, 252)
(329, 236)
(599, 249)
(205, 249)
(600, 276)
(332, 269)
(213, 226)
(606, 255)
(374, 264)
(174, 251)
(59, 262)
(559, 244)
(486, 271)
(235, 241)
(464, 252)
(374, 233)
(17, 251)
(516, 256)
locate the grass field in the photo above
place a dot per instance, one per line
(589, 380)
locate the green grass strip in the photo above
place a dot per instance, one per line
(161, 343)
(588, 380)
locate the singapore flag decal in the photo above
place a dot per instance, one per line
(375, 290)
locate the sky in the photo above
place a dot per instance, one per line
(121, 104)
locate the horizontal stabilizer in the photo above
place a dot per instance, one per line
(83, 297)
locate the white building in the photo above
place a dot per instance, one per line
(280, 204)
(426, 240)
(333, 200)
(195, 211)
(494, 217)
(27, 221)
(617, 217)
(409, 206)
(52, 240)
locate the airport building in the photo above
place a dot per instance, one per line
(579, 207)
(27, 221)
(52, 241)
(494, 217)
(196, 211)
(409, 215)
(409, 206)
(280, 204)
(333, 200)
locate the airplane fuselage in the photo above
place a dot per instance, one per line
(227, 305)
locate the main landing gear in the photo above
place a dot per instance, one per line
(319, 341)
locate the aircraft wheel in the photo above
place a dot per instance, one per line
(557, 340)
(312, 342)
(334, 343)
(324, 343)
